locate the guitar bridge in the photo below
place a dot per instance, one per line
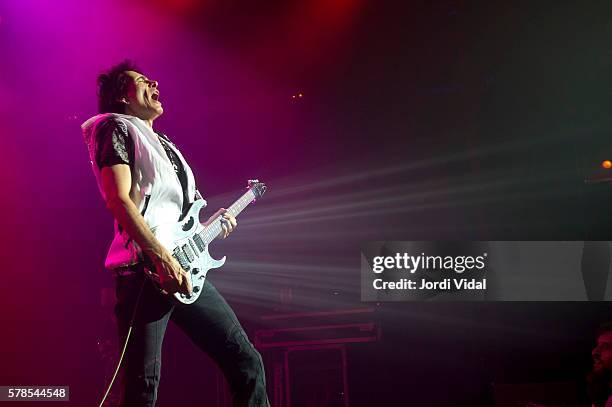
(181, 257)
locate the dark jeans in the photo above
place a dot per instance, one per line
(209, 322)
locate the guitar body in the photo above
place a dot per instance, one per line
(189, 240)
(190, 251)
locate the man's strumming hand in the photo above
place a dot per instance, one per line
(172, 277)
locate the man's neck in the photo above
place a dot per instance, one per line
(148, 122)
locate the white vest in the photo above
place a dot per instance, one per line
(156, 190)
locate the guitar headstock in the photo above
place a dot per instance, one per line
(258, 188)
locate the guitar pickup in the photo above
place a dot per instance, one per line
(188, 252)
(193, 247)
(197, 239)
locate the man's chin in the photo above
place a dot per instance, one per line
(600, 370)
(158, 112)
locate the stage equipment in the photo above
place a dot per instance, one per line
(307, 354)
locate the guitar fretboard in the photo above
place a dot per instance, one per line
(212, 231)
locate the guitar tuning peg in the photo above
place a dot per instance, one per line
(252, 182)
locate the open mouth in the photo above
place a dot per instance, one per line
(155, 96)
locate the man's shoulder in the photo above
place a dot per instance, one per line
(111, 121)
(107, 119)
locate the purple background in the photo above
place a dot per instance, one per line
(418, 121)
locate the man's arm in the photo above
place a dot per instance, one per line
(116, 183)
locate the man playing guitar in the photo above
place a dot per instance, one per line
(146, 182)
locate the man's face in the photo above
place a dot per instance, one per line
(602, 353)
(142, 97)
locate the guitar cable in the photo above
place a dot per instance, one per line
(127, 338)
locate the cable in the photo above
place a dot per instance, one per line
(127, 338)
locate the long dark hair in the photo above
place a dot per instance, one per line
(113, 85)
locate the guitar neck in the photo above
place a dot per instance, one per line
(212, 231)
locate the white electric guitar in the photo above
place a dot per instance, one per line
(188, 241)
